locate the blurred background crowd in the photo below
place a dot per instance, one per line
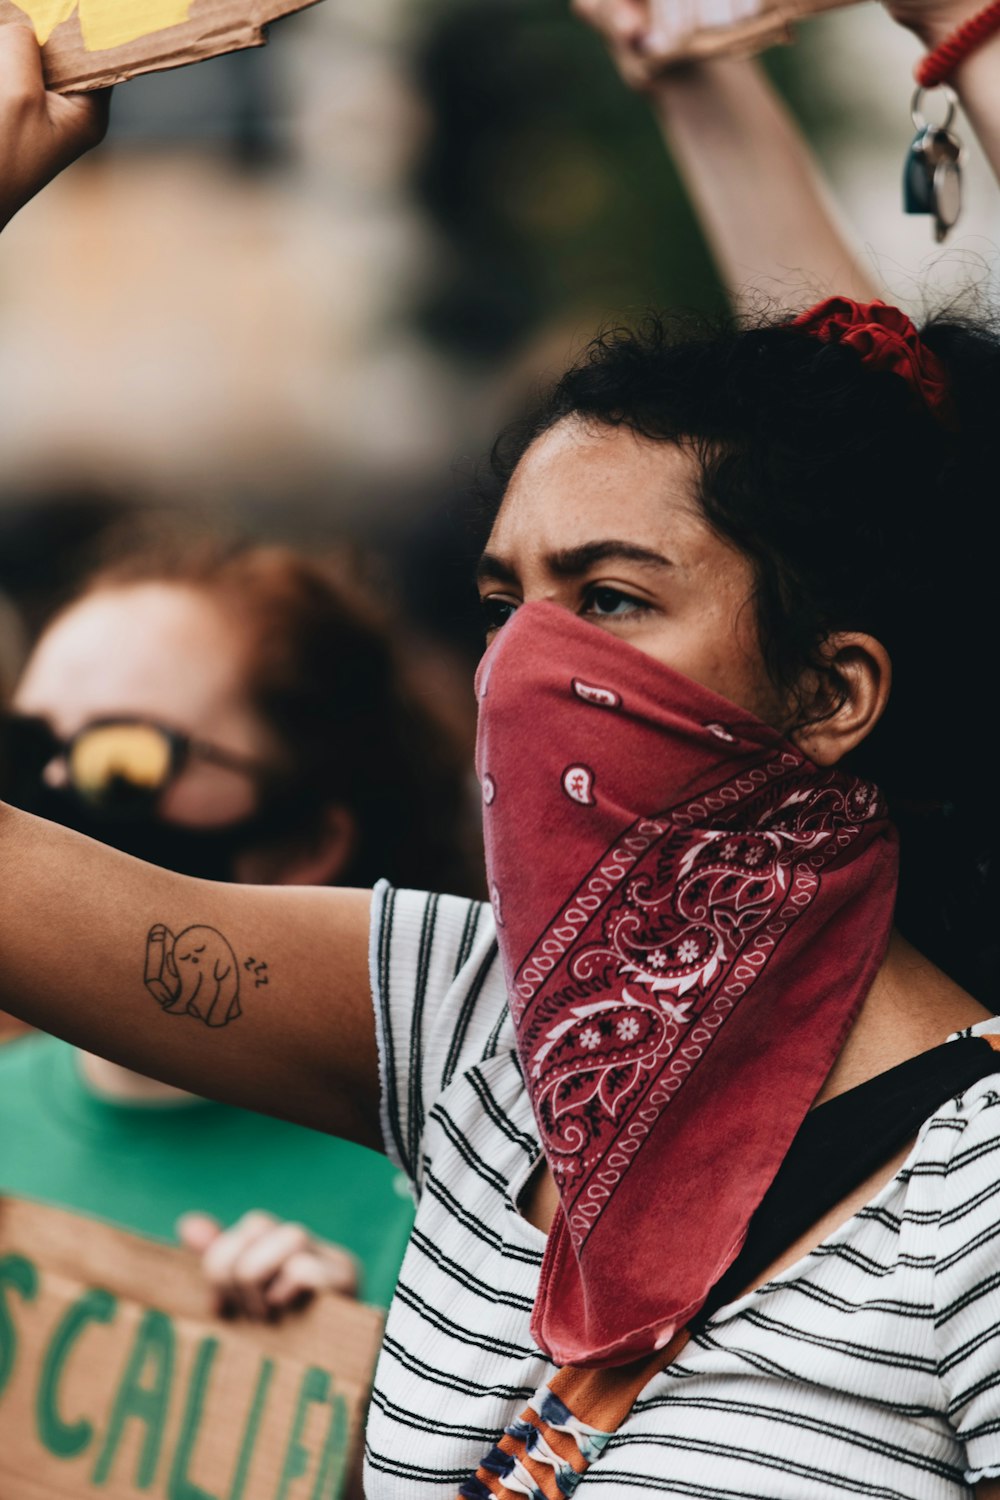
(298, 289)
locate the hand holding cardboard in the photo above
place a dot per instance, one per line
(652, 35)
(40, 132)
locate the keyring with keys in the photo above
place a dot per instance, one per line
(932, 174)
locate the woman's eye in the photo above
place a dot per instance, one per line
(496, 612)
(609, 602)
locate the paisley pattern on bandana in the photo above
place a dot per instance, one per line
(682, 935)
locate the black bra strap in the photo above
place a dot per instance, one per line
(841, 1143)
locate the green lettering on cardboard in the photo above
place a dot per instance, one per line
(250, 1430)
(315, 1386)
(21, 1276)
(180, 1486)
(154, 1346)
(67, 1439)
(332, 1471)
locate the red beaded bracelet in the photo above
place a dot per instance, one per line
(939, 65)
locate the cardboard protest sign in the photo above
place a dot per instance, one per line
(116, 1382)
(714, 28)
(88, 44)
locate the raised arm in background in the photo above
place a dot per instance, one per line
(767, 216)
(771, 225)
(769, 219)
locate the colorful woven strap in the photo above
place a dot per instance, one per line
(567, 1425)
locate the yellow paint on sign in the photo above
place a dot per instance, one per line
(105, 23)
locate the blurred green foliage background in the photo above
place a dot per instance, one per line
(549, 181)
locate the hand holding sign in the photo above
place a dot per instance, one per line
(647, 36)
(41, 132)
(118, 1384)
(261, 1266)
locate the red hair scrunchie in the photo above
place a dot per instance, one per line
(885, 339)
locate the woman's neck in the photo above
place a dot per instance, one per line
(115, 1082)
(911, 1007)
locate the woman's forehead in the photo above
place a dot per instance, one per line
(579, 482)
(149, 649)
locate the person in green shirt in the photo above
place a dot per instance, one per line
(144, 1161)
(227, 714)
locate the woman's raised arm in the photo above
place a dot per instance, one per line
(256, 995)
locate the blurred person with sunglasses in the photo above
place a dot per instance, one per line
(231, 715)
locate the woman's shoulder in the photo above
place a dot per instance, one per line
(440, 1004)
(980, 1100)
(433, 950)
(956, 1172)
(410, 926)
(953, 1174)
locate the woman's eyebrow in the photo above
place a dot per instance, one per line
(576, 560)
(572, 562)
(494, 568)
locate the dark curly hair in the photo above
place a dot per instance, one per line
(858, 510)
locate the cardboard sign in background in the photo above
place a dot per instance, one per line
(716, 28)
(117, 1382)
(88, 44)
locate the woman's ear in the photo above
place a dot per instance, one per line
(860, 667)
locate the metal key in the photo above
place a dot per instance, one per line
(932, 174)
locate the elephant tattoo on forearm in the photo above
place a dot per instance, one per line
(194, 973)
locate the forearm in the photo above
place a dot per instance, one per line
(977, 83)
(253, 995)
(765, 212)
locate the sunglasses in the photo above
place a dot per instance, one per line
(121, 761)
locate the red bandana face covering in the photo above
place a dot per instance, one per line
(690, 914)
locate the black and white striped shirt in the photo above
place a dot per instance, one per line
(871, 1367)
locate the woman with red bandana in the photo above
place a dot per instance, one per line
(735, 592)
